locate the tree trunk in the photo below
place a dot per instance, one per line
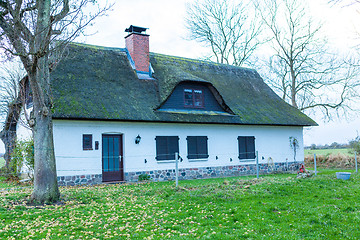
(45, 180)
(9, 140)
(8, 134)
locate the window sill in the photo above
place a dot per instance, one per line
(87, 149)
(198, 160)
(246, 160)
(166, 161)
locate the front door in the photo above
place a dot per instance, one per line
(112, 154)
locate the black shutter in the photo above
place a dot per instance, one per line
(242, 147)
(197, 147)
(250, 147)
(192, 147)
(173, 147)
(166, 147)
(202, 148)
(161, 148)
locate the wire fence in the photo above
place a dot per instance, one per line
(96, 164)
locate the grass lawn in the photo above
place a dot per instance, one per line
(273, 207)
(345, 151)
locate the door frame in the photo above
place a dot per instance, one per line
(121, 154)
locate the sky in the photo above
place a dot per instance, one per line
(168, 35)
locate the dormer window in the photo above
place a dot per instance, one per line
(193, 98)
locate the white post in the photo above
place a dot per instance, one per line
(356, 167)
(315, 164)
(177, 169)
(257, 164)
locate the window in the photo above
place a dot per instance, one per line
(197, 147)
(193, 98)
(166, 147)
(87, 142)
(246, 147)
(28, 95)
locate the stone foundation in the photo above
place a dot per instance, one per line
(79, 180)
(213, 172)
(187, 173)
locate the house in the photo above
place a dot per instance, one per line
(122, 112)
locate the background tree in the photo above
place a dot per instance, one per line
(302, 69)
(29, 29)
(11, 104)
(226, 27)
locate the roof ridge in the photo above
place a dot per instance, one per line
(97, 46)
(203, 61)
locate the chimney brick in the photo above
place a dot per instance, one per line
(138, 47)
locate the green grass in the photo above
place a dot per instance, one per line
(273, 207)
(345, 151)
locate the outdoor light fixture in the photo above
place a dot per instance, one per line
(137, 139)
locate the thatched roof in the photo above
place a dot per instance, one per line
(94, 82)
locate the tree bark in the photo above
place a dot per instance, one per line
(45, 179)
(8, 134)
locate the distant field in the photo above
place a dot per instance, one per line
(2, 162)
(345, 151)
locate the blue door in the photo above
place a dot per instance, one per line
(112, 158)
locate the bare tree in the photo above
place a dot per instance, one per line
(227, 28)
(11, 104)
(304, 70)
(29, 29)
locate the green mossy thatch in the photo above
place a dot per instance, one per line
(99, 83)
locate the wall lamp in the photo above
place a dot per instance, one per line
(137, 139)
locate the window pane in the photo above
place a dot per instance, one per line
(87, 141)
(105, 154)
(111, 155)
(116, 154)
(188, 97)
(198, 101)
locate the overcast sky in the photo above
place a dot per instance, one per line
(165, 20)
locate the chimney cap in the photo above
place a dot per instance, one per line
(135, 29)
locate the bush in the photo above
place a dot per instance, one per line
(22, 155)
(330, 161)
(355, 144)
(144, 177)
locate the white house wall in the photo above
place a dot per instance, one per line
(271, 142)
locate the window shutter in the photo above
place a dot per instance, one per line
(161, 148)
(192, 147)
(242, 147)
(173, 147)
(197, 147)
(202, 148)
(250, 145)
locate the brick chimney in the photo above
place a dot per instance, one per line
(137, 43)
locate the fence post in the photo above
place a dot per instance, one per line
(177, 169)
(257, 164)
(356, 167)
(315, 164)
